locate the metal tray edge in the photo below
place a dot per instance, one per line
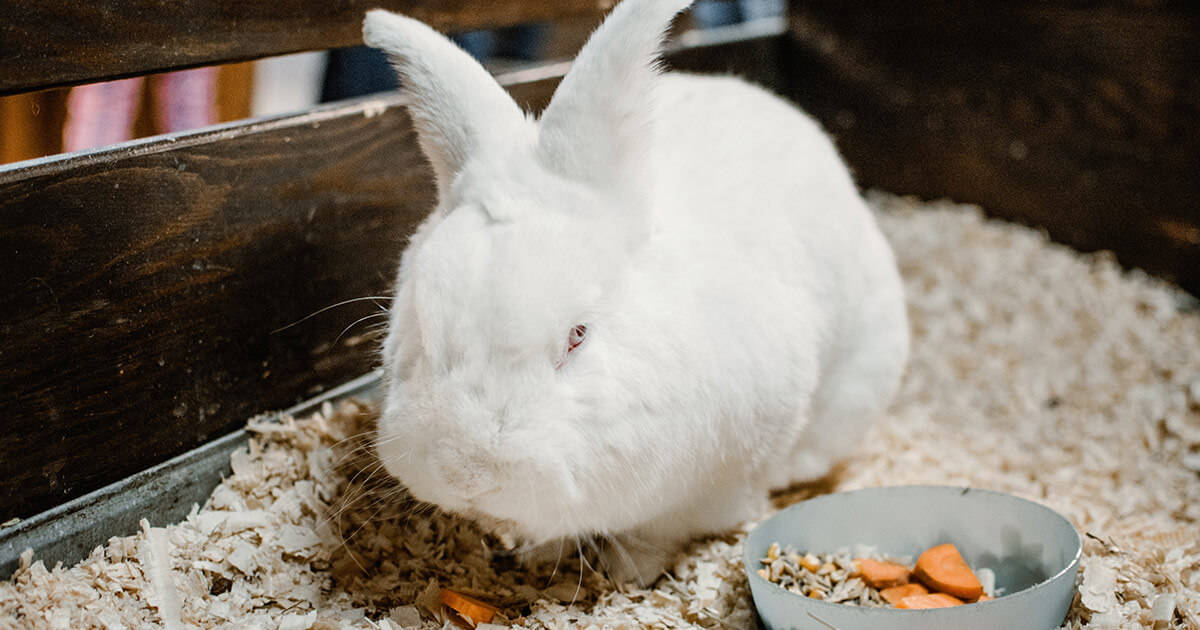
(163, 494)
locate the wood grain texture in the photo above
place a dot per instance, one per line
(47, 44)
(1079, 117)
(140, 285)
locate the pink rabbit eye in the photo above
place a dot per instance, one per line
(574, 340)
(576, 337)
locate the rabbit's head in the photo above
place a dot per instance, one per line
(503, 332)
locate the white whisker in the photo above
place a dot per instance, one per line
(332, 306)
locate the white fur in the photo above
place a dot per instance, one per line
(745, 316)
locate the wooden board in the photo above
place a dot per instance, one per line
(139, 286)
(47, 44)
(1082, 118)
(142, 285)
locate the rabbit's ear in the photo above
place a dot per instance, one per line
(457, 108)
(598, 125)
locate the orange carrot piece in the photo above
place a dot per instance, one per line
(985, 598)
(882, 574)
(930, 600)
(894, 594)
(943, 569)
(470, 609)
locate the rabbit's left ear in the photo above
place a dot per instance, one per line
(457, 107)
(598, 126)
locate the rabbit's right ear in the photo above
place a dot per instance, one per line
(457, 108)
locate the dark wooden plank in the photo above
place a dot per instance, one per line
(1080, 117)
(48, 44)
(140, 285)
(751, 50)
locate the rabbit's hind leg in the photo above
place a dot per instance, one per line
(854, 391)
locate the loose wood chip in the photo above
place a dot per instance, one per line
(156, 557)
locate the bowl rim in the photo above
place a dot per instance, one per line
(748, 563)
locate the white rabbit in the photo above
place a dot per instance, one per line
(634, 316)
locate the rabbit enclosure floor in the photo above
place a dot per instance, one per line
(1035, 370)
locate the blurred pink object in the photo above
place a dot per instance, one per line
(101, 114)
(186, 99)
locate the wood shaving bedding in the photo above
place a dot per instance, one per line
(1036, 371)
(832, 577)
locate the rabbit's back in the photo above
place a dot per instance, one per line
(754, 191)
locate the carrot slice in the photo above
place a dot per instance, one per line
(930, 600)
(894, 594)
(470, 609)
(882, 574)
(943, 569)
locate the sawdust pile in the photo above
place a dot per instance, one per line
(1036, 371)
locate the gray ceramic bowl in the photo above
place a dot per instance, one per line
(1033, 550)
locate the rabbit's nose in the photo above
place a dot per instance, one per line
(469, 474)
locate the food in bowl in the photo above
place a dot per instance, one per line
(939, 577)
